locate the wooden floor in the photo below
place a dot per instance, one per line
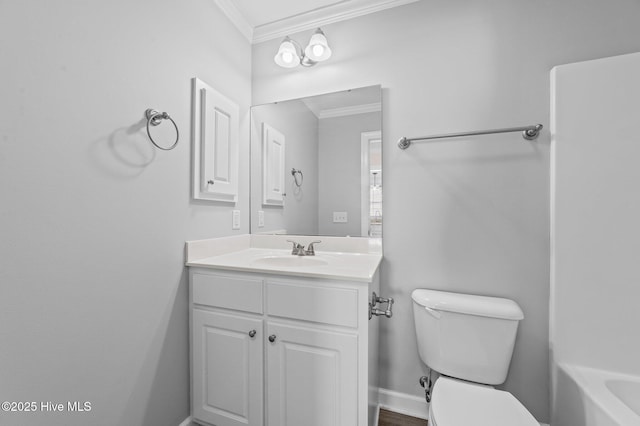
(389, 418)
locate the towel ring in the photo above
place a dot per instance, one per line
(295, 174)
(154, 118)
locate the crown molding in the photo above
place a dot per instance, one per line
(324, 16)
(305, 21)
(350, 110)
(236, 18)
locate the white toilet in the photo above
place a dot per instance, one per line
(469, 340)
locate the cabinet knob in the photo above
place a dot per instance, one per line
(252, 333)
(272, 338)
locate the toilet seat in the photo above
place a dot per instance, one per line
(459, 403)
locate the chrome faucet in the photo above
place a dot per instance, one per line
(298, 249)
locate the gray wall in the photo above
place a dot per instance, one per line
(465, 215)
(93, 219)
(299, 125)
(339, 174)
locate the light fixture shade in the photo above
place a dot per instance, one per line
(318, 49)
(287, 55)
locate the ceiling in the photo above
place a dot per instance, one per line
(260, 12)
(262, 20)
(346, 102)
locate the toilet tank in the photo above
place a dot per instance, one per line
(466, 336)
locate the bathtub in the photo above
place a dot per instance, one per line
(590, 397)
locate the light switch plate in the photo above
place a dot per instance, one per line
(340, 217)
(235, 223)
(260, 218)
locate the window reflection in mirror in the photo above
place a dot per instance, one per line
(316, 165)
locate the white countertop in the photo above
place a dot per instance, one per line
(247, 253)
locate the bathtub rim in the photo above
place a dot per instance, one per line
(592, 384)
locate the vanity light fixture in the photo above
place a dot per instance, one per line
(290, 54)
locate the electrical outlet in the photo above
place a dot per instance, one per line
(235, 223)
(340, 217)
(260, 218)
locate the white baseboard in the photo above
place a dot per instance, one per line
(186, 422)
(403, 403)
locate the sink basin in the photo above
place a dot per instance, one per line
(290, 261)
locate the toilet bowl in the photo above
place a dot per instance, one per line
(459, 403)
(469, 340)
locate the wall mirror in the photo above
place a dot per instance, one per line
(316, 165)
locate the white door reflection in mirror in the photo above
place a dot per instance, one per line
(371, 184)
(273, 144)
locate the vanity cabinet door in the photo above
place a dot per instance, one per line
(312, 377)
(227, 369)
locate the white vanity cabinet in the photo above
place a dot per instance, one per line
(280, 350)
(227, 349)
(228, 386)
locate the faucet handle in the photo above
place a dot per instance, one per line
(310, 250)
(296, 247)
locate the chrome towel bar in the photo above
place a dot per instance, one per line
(528, 132)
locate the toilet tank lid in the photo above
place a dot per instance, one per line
(493, 307)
